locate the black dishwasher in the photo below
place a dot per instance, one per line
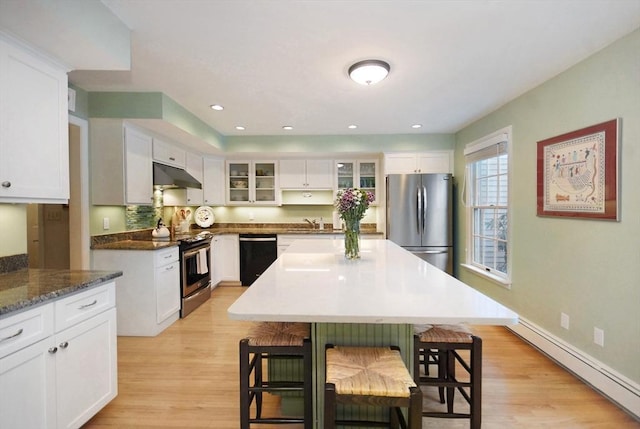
(257, 253)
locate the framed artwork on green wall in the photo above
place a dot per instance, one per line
(578, 173)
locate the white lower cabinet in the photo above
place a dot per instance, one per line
(285, 240)
(226, 258)
(63, 380)
(27, 388)
(86, 376)
(148, 294)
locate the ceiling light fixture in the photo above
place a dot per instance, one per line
(352, 127)
(216, 107)
(287, 127)
(369, 72)
(416, 126)
(240, 128)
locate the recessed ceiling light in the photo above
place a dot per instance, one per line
(416, 126)
(369, 72)
(240, 128)
(216, 107)
(352, 127)
(287, 127)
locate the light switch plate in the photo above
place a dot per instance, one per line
(564, 320)
(598, 336)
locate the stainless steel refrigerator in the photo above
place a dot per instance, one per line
(419, 216)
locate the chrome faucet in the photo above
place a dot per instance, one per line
(310, 222)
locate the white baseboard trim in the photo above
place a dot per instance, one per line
(613, 385)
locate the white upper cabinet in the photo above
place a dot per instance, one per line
(419, 163)
(361, 174)
(194, 166)
(34, 136)
(213, 181)
(121, 165)
(138, 168)
(306, 174)
(167, 153)
(252, 183)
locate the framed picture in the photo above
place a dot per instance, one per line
(578, 173)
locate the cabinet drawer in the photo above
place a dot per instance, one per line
(164, 257)
(169, 154)
(83, 305)
(26, 328)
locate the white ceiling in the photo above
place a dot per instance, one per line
(284, 62)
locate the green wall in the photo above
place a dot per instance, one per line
(13, 229)
(341, 143)
(587, 269)
(152, 105)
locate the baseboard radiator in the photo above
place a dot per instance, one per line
(613, 385)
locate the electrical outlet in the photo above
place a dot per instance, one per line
(564, 320)
(598, 336)
(105, 223)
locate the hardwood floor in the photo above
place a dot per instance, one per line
(187, 377)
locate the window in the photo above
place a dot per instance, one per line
(487, 202)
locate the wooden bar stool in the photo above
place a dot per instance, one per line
(274, 340)
(374, 376)
(448, 340)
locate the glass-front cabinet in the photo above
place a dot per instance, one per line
(252, 182)
(361, 174)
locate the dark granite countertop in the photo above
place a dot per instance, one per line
(135, 245)
(25, 288)
(142, 240)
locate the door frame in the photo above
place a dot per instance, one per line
(79, 232)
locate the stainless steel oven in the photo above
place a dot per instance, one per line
(195, 272)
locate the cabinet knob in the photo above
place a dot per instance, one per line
(6, 184)
(64, 345)
(52, 350)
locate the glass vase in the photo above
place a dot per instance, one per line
(352, 239)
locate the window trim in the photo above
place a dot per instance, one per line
(499, 136)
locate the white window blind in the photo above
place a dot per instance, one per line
(487, 201)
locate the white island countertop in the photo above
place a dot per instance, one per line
(313, 282)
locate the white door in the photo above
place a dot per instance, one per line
(138, 168)
(27, 388)
(167, 291)
(86, 369)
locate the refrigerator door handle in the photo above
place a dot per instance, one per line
(430, 252)
(424, 207)
(418, 209)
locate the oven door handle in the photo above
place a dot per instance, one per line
(258, 239)
(189, 253)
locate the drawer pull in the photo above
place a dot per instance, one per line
(6, 184)
(82, 307)
(12, 336)
(64, 345)
(52, 350)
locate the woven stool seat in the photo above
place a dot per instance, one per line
(270, 342)
(445, 334)
(278, 334)
(372, 371)
(374, 376)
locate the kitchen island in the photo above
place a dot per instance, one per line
(373, 301)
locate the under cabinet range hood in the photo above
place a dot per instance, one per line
(173, 177)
